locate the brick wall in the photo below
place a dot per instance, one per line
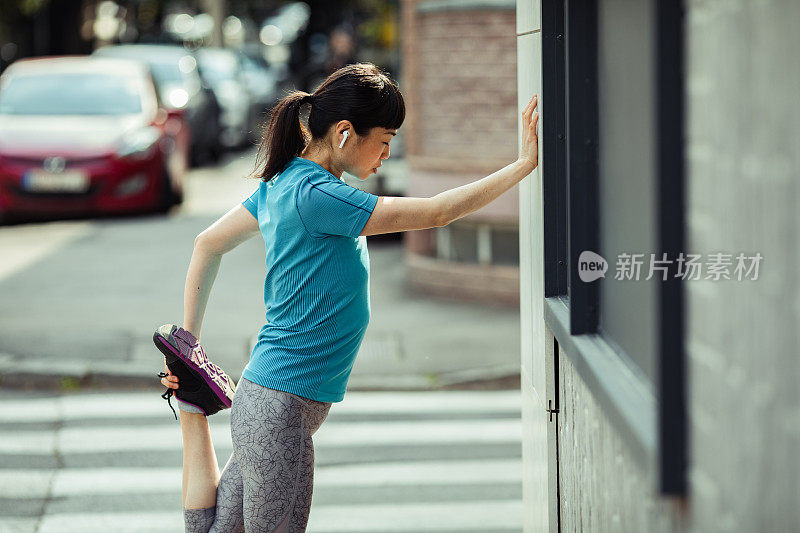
(466, 84)
(459, 80)
(461, 69)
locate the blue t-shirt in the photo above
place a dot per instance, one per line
(316, 291)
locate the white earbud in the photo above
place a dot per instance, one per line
(346, 133)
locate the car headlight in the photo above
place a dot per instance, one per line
(178, 98)
(139, 143)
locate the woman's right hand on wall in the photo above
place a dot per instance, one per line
(530, 139)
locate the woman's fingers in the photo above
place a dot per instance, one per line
(529, 109)
(527, 106)
(532, 104)
(170, 380)
(534, 118)
(530, 120)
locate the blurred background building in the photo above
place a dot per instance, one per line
(301, 39)
(459, 65)
(218, 67)
(456, 66)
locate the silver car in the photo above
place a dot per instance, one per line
(179, 86)
(223, 71)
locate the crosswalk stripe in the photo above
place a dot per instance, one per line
(106, 481)
(137, 522)
(438, 516)
(459, 516)
(421, 473)
(18, 525)
(25, 483)
(76, 440)
(128, 427)
(140, 404)
(419, 432)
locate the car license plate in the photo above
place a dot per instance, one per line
(37, 180)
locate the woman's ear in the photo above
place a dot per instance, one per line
(342, 126)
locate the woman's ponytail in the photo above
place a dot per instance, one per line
(284, 138)
(360, 93)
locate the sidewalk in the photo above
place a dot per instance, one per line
(413, 342)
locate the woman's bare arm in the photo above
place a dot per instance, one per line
(392, 214)
(396, 213)
(463, 200)
(232, 229)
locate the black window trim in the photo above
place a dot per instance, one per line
(580, 24)
(672, 378)
(554, 135)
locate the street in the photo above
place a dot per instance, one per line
(93, 291)
(445, 461)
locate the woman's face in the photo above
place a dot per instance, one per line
(369, 151)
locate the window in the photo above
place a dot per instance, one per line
(505, 246)
(482, 243)
(464, 243)
(613, 184)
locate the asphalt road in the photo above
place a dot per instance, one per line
(96, 289)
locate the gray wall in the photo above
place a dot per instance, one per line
(743, 91)
(603, 489)
(743, 166)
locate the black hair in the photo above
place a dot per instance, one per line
(360, 93)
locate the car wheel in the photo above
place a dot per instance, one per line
(195, 156)
(167, 197)
(214, 152)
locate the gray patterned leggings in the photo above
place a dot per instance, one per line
(266, 485)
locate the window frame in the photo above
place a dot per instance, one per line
(655, 431)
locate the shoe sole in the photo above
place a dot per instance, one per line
(167, 348)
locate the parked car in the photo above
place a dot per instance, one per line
(180, 86)
(82, 135)
(223, 70)
(264, 83)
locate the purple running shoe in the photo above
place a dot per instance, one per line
(201, 382)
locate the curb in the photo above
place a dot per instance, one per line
(77, 375)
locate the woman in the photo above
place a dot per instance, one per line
(316, 295)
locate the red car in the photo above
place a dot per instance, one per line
(83, 135)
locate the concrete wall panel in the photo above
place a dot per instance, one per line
(743, 163)
(528, 16)
(602, 487)
(535, 496)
